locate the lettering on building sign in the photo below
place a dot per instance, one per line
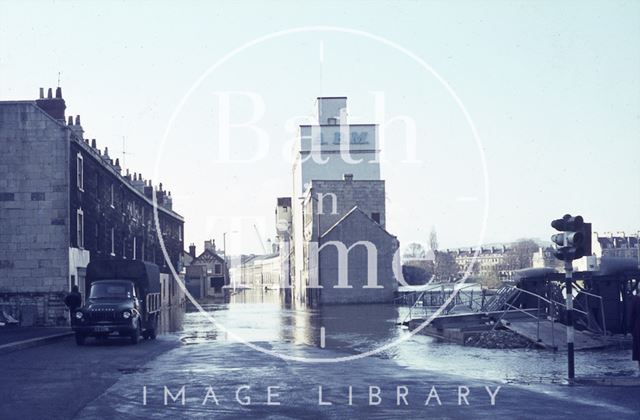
(355, 138)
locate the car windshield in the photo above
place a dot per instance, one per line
(111, 290)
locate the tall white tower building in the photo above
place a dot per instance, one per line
(335, 152)
(332, 148)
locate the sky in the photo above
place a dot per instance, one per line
(552, 90)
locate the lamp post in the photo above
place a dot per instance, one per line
(638, 246)
(224, 252)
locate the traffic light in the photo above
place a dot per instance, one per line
(574, 240)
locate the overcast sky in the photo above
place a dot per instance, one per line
(553, 89)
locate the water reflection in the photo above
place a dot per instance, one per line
(258, 316)
(171, 319)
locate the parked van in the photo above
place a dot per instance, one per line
(123, 300)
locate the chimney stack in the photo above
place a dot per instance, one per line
(77, 128)
(148, 190)
(168, 201)
(54, 107)
(192, 250)
(138, 183)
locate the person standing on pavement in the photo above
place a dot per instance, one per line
(74, 299)
(634, 325)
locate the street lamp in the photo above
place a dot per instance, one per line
(224, 252)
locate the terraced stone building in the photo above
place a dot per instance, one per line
(64, 202)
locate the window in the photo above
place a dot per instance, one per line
(37, 196)
(376, 217)
(217, 269)
(113, 241)
(112, 195)
(7, 196)
(80, 171)
(80, 229)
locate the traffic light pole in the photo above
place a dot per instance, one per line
(568, 282)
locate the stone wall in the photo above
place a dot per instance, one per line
(353, 228)
(367, 195)
(34, 212)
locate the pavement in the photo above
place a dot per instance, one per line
(59, 379)
(220, 378)
(110, 380)
(15, 337)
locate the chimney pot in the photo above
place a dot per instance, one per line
(77, 119)
(41, 93)
(50, 94)
(70, 120)
(93, 143)
(348, 177)
(117, 162)
(58, 92)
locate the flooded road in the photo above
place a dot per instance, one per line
(259, 317)
(209, 373)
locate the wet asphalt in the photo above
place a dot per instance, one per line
(224, 378)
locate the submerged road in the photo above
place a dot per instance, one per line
(201, 373)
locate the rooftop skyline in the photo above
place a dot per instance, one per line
(556, 99)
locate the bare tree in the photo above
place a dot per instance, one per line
(446, 268)
(433, 239)
(414, 250)
(520, 255)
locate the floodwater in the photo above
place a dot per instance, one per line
(258, 317)
(211, 358)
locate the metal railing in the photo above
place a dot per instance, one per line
(551, 313)
(451, 299)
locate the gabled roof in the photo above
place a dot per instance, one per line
(207, 256)
(355, 212)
